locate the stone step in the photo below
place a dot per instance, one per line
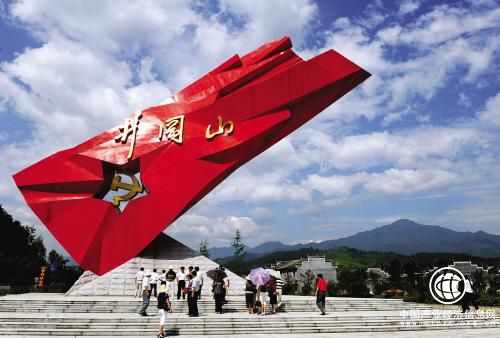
(307, 329)
(179, 304)
(211, 308)
(298, 301)
(205, 305)
(192, 323)
(154, 319)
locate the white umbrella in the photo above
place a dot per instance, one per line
(274, 273)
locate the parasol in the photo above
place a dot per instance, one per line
(259, 276)
(216, 274)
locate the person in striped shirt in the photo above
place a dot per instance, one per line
(279, 289)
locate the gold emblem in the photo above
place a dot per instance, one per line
(134, 188)
(130, 127)
(173, 130)
(225, 128)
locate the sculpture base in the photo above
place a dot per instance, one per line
(159, 254)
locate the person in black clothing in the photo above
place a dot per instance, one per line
(193, 294)
(226, 286)
(188, 291)
(218, 290)
(164, 306)
(181, 283)
(273, 297)
(170, 278)
(470, 294)
(250, 291)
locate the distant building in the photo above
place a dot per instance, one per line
(297, 268)
(467, 268)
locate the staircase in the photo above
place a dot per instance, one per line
(45, 314)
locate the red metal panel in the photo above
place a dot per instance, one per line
(259, 98)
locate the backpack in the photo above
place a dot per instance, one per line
(219, 289)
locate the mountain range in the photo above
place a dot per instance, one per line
(403, 236)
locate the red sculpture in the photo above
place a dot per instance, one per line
(182, 150)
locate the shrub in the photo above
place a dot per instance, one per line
(291, 287)
(393, 293)
(331, 288)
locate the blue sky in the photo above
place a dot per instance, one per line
(419, 139)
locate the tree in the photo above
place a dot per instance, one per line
(395, 272)
(354, 282)
(307, 283)
(204, 248)
(60, 277)
(377, 283)
(22, 253)
(239, 247)
(56, 261)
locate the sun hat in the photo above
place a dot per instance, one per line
(163, 288)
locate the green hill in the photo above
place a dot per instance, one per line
(349, 258)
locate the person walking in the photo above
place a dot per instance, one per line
(469, 297)
(195, 289)
(164, 307)
(139, 276)
(321, 288)
(155, 277)
(249, 296)
(218, 287)
(146, 293)
(181, 283)
(200, 276)
(170, 277)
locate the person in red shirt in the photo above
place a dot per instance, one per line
(321, 293)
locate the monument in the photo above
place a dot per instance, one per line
(164, 159)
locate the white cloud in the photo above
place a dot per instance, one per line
(408, 148)
(484, 216)
(192, 228)
(396, 181)
(419, 73)
(390, 182)
(442, 24)
(491, 114)
(334, 185)
(408, 6)
(262, 215)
